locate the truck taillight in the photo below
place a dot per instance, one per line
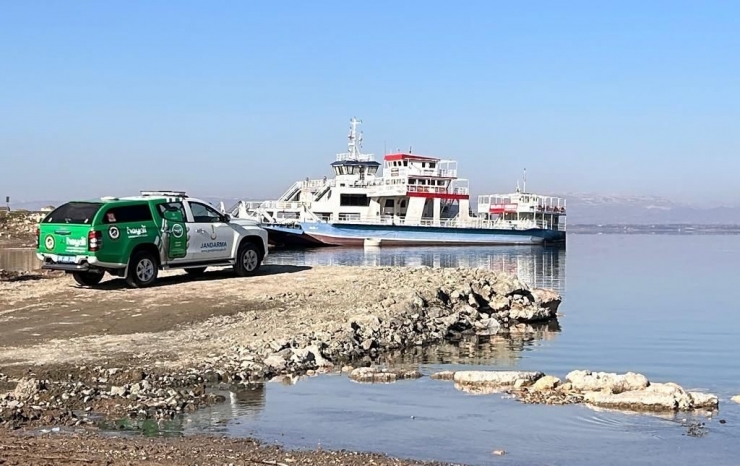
(94, 240)
(38, 237)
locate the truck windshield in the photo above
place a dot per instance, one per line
(80, 213)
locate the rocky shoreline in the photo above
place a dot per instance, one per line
(628, 392)
(18, 228)
(425, 306)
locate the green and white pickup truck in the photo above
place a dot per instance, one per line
(135, 237)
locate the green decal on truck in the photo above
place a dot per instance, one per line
(177, 234)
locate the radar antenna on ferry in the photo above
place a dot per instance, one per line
(354, 145)
(524, 187)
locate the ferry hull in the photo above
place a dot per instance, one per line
(289, 237)
(348, 234)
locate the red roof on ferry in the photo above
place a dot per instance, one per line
(402, 156)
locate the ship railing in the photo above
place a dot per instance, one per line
(456, 222)
(291, 191)
(461, 186)
(315, 184)
(403, 172)
(282, 205)
(426, 222)
(521, 202)
(347, 157)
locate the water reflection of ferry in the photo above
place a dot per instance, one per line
(536, 266)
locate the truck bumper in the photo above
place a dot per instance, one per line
(66, 267)
(80, 264)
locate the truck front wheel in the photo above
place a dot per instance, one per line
(87, 278)
(248, 260)
(142, 270)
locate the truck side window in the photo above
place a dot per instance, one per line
(128, 214)
(204, 214)
(171, 206)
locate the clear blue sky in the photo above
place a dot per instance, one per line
(241, 98)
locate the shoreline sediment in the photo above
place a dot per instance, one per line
(259, 330)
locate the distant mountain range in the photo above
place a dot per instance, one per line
(644, 210)
(583, 208)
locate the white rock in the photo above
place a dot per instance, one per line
(117, 391)
(369, 322)
(549, 299)
(637, 400)
(26, 389)
(736, 399)
(310, 353)
(547, 382)
(656, 397)
(275, 361)
(370, 374)
(530, 313)
(495, 378)
(616, 383)
(373, 375)
(703, 400)
(444, 375)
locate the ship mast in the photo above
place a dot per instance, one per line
(524, 183)
(354, 145)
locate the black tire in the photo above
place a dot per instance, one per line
(87, 278)
(248, 260)
(196, 271)
(142, 270)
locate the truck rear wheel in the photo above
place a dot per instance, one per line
(142, 270)
(248, 260)
(87, 278)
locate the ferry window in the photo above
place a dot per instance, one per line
(354, 200)
(403, 203)
(388, 203)
(405, 163)
(423, 164)
(431, 164)
(132, 213)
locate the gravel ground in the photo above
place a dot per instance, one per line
(90, 449)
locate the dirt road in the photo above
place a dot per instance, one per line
(50, 321)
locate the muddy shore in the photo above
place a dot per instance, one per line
(90, 449)
(68, 353)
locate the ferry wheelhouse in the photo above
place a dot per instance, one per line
(416, 200)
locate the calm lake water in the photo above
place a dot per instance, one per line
(662, 305)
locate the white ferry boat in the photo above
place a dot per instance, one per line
(417, 200)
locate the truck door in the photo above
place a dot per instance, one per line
(212, 238)
(175, 236)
